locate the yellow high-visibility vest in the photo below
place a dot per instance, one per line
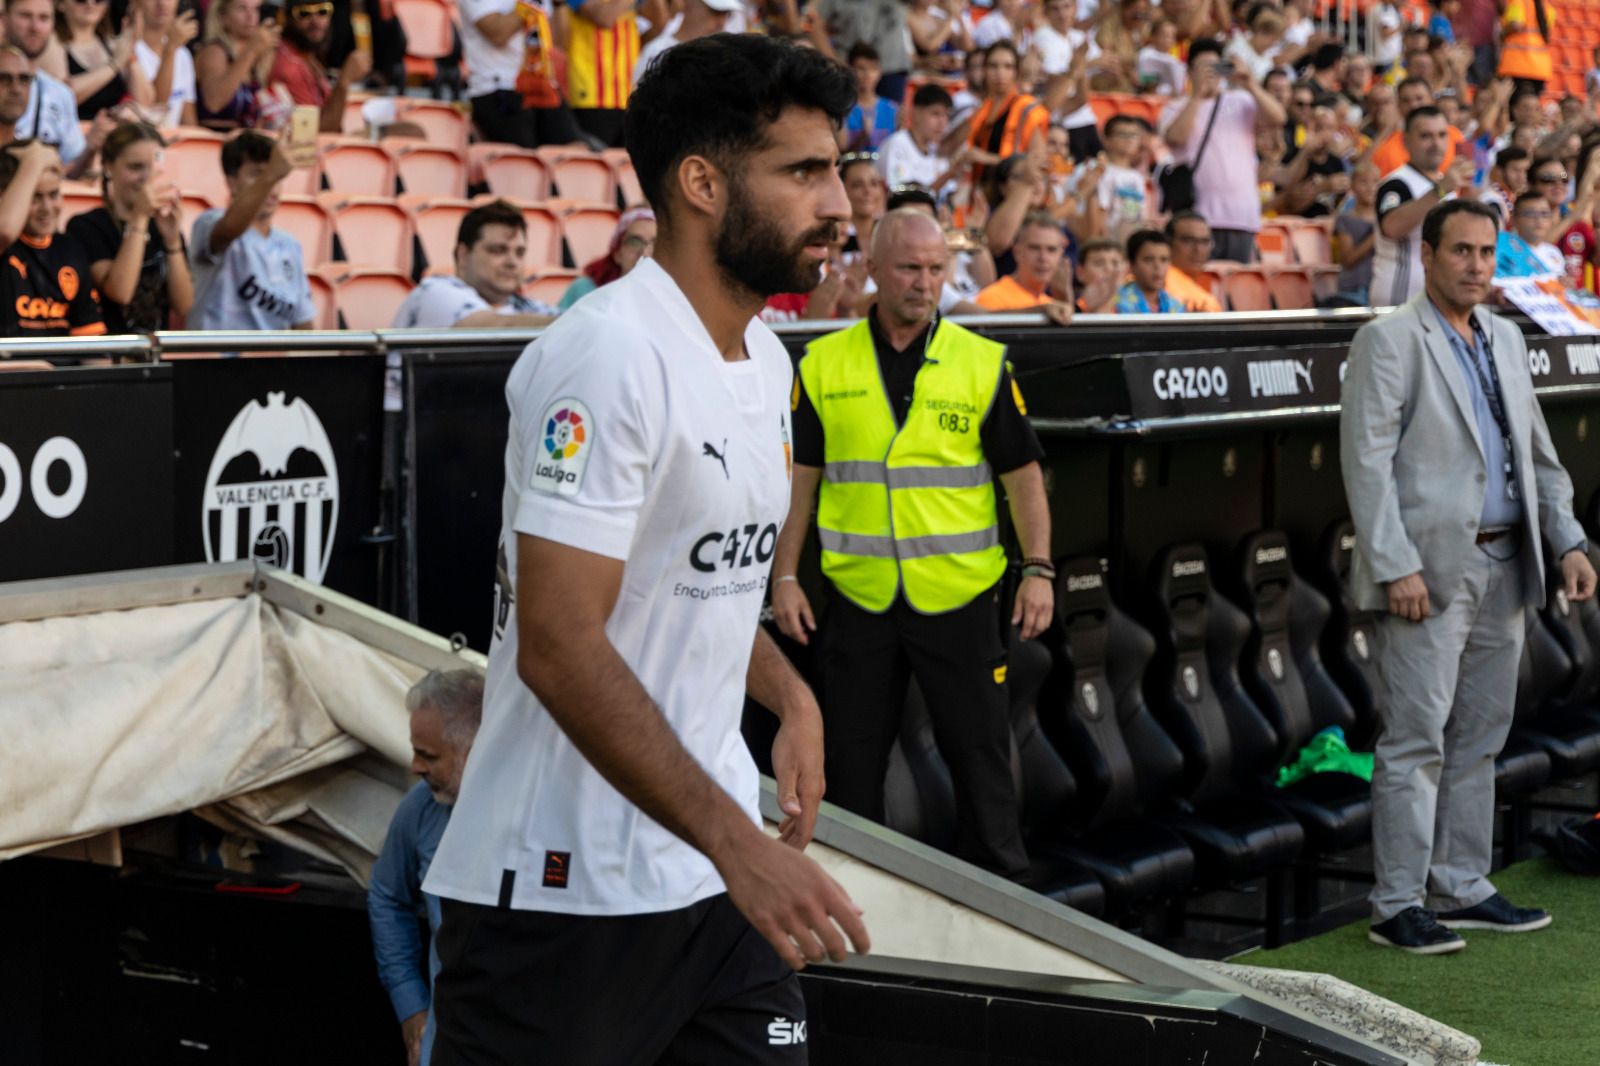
(908, 508)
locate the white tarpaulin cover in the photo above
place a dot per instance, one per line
(255, 716)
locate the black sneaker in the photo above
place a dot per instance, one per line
(1498, 914)
(1416, 930)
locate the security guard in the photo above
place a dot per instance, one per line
(904, 419)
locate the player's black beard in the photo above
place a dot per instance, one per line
(754, 254)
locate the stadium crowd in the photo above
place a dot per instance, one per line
(1081, 155)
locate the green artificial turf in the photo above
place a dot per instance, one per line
(1533, 999)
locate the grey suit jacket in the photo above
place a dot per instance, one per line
(1414, 471)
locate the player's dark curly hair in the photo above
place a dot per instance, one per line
(716, 97)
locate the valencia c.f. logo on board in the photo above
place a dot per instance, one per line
(272, 491)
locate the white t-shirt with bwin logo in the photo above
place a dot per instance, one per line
(630, 438)
(257, 282)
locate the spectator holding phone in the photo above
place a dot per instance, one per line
(1227, 101)
(134, 241)
(234, 66)
(101, 70)
(247, 274)
(163, 54)
(299, 66)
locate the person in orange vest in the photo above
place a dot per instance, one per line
(1524, 53)
(1009, 122)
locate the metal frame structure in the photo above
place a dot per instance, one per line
(984, 893)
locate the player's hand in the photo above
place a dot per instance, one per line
(411, 1032)
(791, 609)
(1036, 604)
(1408, 597)
(802, 912)
(1577, 574)
(797, 767)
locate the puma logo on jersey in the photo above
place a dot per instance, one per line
(718, 456)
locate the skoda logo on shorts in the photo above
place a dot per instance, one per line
(272, 492)
(1191, 682)
(1091, 700)
(1275, 663)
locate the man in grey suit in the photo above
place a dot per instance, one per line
(1452, 482)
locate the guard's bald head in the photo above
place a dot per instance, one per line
(903, 226)
(908, 262)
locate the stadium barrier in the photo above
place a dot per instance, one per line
(378, 456)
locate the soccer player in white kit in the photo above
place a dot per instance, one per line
(608, 895)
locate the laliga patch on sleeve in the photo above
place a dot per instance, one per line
(563, 449)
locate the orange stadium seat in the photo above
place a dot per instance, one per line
(353, 125)
(366, 297)
(1291, 290)
(194, 205)
(76, 198)
(446, 124)
(306, 220)
(549, 286)
(356, 167)
(1273, 244)
(1312, 244)
(512, 172)
(193, 160)
(430, 36)
(584, 176)
(370, 230)
(437, 222)
(327, 316)
(1247, 290)
(588, 231)
(628, 192)
(430, 169)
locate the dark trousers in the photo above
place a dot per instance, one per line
(958, 660)
(602, 123)
(691, 987)
(1238, 245)
(501, 117)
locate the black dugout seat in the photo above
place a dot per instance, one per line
(1349, 641)
(1094, 715)
(920, 795)
(1561, 718)
(1283, 674)
(1228, 748)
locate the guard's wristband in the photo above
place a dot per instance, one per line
(785, 577)
(1045, 572)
